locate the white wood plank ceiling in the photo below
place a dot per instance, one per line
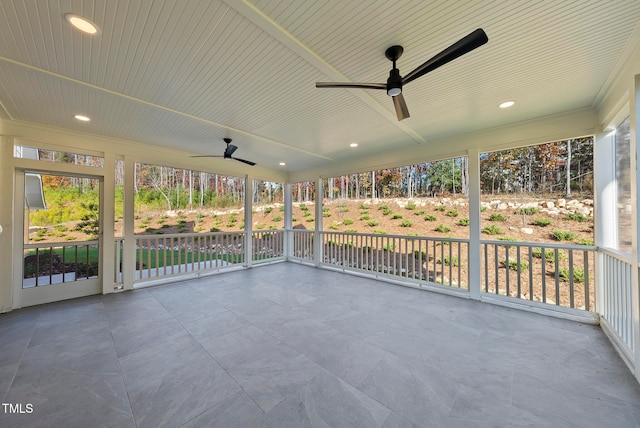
(185, 74)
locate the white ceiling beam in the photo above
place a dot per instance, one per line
(161, 107)
(272, 28)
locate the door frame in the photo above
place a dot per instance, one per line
(23, 297)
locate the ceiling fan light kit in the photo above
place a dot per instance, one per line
(395, 82)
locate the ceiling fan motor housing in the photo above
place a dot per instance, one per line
(394, 83)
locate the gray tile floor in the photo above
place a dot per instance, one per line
(287, 345)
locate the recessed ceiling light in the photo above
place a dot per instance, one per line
(507, 104)
(353, 145)
(82, 118)
(282, 164)
(82, 24)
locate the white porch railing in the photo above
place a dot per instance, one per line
(160, 256)
(556, 274)
(551, 274)
(267, 245)
(59, 262)
(413, 258)
(616, 304)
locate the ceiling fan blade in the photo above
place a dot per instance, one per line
(206, 156)
(401, 107)
(351, 85)
(456, 50)
(244, 161)
(230, 149)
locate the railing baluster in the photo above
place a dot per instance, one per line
(544, 275)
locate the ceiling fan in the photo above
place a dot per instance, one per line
(227, 153)
(395, 82)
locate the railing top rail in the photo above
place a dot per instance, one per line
(409, 237)
(617, 254)
(540, 245)
(62, 244)
(182, 235)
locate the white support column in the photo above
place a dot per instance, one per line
(107, 214)
(605, 203)
(288, 223)
(129, 245)
(317, 237)
(474, 223)
(248, 221)
(635, 198)
(7, 248)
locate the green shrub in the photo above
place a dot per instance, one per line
(303, 207)
(334, 226)
(294, 219)
(41, 232)
(306, 214)
(326, 214)
(507, 238)
(513, 265)
(442, 228)
(406, 223)
(452, 213)
(497, 217)
(61, 228)
(463, 222)
(379, 232)
(364, 211)
(418, 253)
(260, 225)
(281, 208)
(383, 207)
(492, 229)
(273, 227)
(430, 217)
(386, 211)
(372, 223)
(542, 222)
(347, 221)
(562, 235)
(586, 241)
(389, 246)
(363, 207)
(148, 229)
(198, 229)
(528, 210)
(411, 206)
(419, 212)
(365, 217)
(447, 261)
(483, 209)
(396, 216)
(351, 230)
(549, 255)
(439, 208)
(267, 210)
(343, 210)
(310, 220)
(579, 217)
(276, 219)
(565, 274)
(214, 229)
